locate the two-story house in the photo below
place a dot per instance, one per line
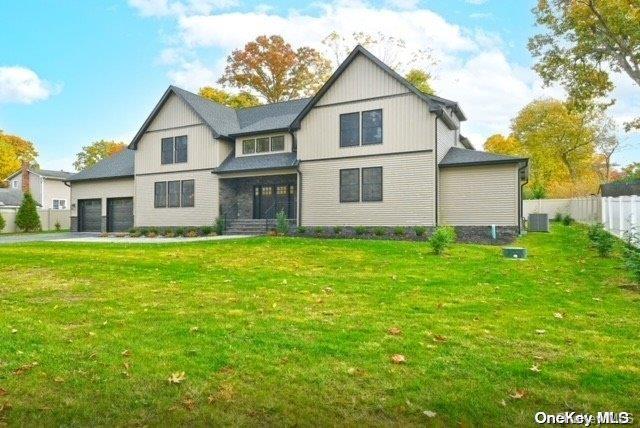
(47, 187)
(368, 149)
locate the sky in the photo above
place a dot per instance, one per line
(76, 72)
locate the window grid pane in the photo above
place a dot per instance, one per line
(372, 184)
(262, 145)
(248, 146)
(277, 143)
(349, 185)
(181, 149)
(167, 151)
(372, 127)
(174, 194)
(188, 191)
(349, 129)
(160, 194)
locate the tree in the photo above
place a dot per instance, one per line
(584, 39)
(498, 143)
(13, 151)
(9, 162)
(241, 100)
(631, 172)
(95, 152)
(606, 144)
(421, 80)
(27, 218)
(270, 67)
(2, 223)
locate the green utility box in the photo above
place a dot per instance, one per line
(514, 252)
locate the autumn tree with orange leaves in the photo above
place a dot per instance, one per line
(95, 152)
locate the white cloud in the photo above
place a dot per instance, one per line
(188, 7)
(192, 76)
(24, 86)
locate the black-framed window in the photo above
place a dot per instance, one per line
(350, 129)
(188, 193)
(180, 149)
(372, 127)
(248, 146)
(173, 191)
(167, 151)
(277, 143)
(372, 184)
(350, 185)
(160, 194)
(262, 145)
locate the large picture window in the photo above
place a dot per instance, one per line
(350, 185)
(349, 129)
(173, 150)
(160, 194)
(372, 184)
(372, 127)
(174, 193)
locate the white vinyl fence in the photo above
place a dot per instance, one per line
(619, 215)
(48, 219)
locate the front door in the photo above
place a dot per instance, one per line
(271, 199)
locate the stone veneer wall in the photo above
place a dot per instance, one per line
(236, 194)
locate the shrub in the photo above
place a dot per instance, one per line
(379, 231)
(180, 231)
(567, 220)
(206, 230)
(27, 218)
(169, 233)
(301, 230)
(558, 217)
(220, 225)
(318, 230)
(602, 240)
(282, 223)
(133, 231)
(154, 231)
(143, 231)
(631, 256)
(442, 237)
(337, 230)
(2, 223)
(399, 231)
(57, 226)
(192, 232)
(152, 234)
(360, 230)
(420, 230)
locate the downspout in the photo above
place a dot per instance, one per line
(437, 176)
(294, 148)
(520, 191)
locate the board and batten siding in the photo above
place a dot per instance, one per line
(361, 80)
(407, 187)
(203, 213)
(174, 112)
(407, 125)
(287, 144)
(479, 195)
(445, 138)
(100, 189)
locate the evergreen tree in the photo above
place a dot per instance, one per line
(27, 218)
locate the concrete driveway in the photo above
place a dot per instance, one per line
(41, 237)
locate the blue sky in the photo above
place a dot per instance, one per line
(74, 72)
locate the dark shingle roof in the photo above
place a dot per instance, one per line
(10, 197)
(118, 165)
(465, 157)
(220, 118)
(48, 173)
(257, 162)
(269, 116)
(620, 189)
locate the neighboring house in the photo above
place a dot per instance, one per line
(10, 198)
(368, 149)
(620, 189)
(48, 188)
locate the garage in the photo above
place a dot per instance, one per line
(119, 214)
(90, 215)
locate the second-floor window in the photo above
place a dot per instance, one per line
(174, 150)
(263, 145)
(361, 128)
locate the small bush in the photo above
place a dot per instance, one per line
(301, 230)
(180, 231)
(420, 230)
(442, 237)
(557, 217)
(3, 223)
(220, 225)
(143, 231)
(57, 226)
(567, 220)
(337, 230)
(399, 231)
(169, 233)
(318, 230)
(282, 223)
(206, 230)
(379, 231)
(133, 231)
(154, 231)
(27, 218)
(192, 233)
(602, 240)
(152, 234)
(360, 230)
(631, 256)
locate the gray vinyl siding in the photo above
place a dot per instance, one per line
(479, 195)
(446, 138)
(408, 192)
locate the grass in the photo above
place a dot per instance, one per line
(293, 331)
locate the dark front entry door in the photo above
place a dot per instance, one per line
(90, 215)
(271, 199)
(119, 214)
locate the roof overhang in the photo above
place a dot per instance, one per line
(264, 131)
(115, 177)
(523, 161)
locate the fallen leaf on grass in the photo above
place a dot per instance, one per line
(535, 368)
(520, 393)
(328, 290)
(558, 315)
(503, 403)
(194, 329)
(439, 338)
(14, 331)
(429, 414)
(24, 368)
(58, 380)
(398, 359)
(177, 377)
(541, 331)
(394, 331)
(126, 353)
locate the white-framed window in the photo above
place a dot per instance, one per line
(263, 145)
(59, 204)
(14, 184)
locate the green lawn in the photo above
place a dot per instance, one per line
(295, 331)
